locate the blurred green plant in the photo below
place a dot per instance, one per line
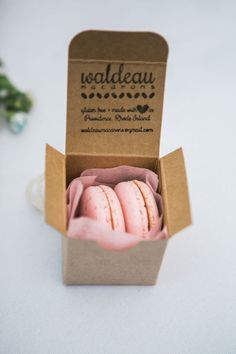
(14, 104)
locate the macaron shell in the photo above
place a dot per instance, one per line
(94, 204)
(117, 217)
(150, 203)
(133, 206)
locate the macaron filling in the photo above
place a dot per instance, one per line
(109, 205)
(144, 202)
(149, 203)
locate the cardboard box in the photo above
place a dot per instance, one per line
(114, 112)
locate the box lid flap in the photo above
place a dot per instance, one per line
(115, 93)
(55, 185)
(175, 191)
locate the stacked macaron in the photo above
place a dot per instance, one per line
(129, 207)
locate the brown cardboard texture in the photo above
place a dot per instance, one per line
(115, 86)
(114, 112)
(55, 179)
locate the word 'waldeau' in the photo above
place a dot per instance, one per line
(119, 76)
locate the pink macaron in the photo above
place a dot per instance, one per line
(138, 205)
(101, 203)
(130, 207)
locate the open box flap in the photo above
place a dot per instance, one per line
(175, 191)
(55, 202)
(115, 93)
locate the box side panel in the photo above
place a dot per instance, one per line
(55, 200)
(77, 163)
(174, 190)
(86, 263)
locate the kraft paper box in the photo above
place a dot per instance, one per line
(114, 113)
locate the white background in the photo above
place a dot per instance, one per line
(193, 307)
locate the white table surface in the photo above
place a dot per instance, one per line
(193, 307)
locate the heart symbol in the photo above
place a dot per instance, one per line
(142, 109)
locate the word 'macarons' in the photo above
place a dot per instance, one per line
(120, 76)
